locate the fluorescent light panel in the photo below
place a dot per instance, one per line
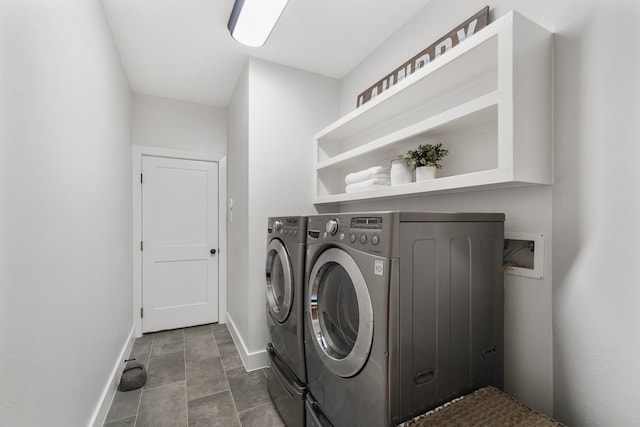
(252, 21)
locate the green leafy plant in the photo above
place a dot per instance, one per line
(426, 155)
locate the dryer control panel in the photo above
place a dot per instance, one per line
(288, 228)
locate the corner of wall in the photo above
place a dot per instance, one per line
(108, 393)
(250, 360)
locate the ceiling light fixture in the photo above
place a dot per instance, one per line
(252, 21)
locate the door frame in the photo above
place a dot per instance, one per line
(138, 152)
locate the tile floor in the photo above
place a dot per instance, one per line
(195, 377)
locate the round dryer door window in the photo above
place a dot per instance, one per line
(340, 312)
(279, 281)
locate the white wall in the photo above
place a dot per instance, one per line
(596, 213)
(528, 306)
(168, 123)
(237, 204)
(285, 108)
(65, 211)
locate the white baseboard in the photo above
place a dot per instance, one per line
(250, 360)
(109, 392)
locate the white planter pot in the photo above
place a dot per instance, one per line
(424, 173)
(400, 172)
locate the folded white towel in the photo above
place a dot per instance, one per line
(372, 172)
(370, 184)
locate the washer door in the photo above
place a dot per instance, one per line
(279, 281)
(340, 312)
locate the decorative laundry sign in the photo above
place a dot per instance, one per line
(440, 47)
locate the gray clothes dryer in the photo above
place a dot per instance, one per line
(285, 261)
(403, 312)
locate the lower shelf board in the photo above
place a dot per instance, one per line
(484, 180)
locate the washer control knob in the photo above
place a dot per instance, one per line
(332, 226)
(277, 225)
(375, 239)
(353, 238)
(363, 239)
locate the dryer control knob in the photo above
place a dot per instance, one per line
(277, 225)
(332, 226)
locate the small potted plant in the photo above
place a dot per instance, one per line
(425, 159)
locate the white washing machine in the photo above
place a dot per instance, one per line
(285, 263)
(403, 312)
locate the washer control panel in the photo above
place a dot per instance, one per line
(362, 232)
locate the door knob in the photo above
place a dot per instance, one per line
(213, 251)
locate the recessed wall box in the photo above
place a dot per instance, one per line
(524, 254)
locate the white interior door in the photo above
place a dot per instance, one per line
(180, 241)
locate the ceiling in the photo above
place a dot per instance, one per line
(181, 49)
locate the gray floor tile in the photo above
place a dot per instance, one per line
(163, 406)
(218, 327)
(164, 347)
(230, 357)
(249, 389)
(191, 385)
(168, 336)
(262, 416)
(221, 333)
(165, 369)
(216, 410)
(205, 377)
(125, 422)
(125, 404)
(200, 347)
(145, 339)
(141, 352)
(197, 331)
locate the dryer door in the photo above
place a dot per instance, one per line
(279, 281)
(339, 312)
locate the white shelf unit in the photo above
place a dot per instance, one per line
(488, 100)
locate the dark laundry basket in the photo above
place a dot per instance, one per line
(487, 407)
(133, 377)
